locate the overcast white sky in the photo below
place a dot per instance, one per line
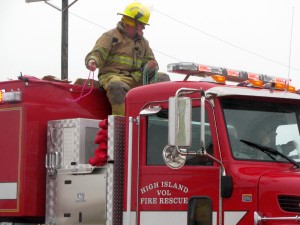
(250, 35)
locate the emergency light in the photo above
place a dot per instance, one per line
(219, 79)
(233, 73)
(280, 86)
(291, 89)
(215, 79)
(256, 83)
(10, 97)
(244, 78)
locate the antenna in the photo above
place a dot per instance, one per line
(288, 84)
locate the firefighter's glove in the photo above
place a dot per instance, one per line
(151, 66)
(149, 72)
(92, 65)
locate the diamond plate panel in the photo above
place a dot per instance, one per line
(63, 138)
(69, 139)
(116, 144)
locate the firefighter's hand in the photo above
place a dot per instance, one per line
(152, 65)
(92, 66)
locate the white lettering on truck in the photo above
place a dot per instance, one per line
(164, 191)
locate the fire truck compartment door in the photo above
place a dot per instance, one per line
(10, 165)
(81, 198)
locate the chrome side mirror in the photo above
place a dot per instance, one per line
(173, 157)
(180, 126)
(180, 117)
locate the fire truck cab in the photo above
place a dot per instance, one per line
(232, 154)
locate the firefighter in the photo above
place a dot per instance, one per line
(269, 140)
(122, 54)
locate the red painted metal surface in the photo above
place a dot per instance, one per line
(23, 136)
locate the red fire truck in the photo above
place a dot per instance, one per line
(186, 152)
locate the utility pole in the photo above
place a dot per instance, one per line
(64, 39)
(64, 32)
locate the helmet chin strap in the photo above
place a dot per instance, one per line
(135, 29)
(137, 16)
(136, 35)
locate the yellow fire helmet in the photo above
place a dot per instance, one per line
(138, 12)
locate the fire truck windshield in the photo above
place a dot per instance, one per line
(269, 124)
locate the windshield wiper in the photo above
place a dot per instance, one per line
(270, 151)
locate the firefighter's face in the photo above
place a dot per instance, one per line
(269, 139)
(136, 31)
(140, 27)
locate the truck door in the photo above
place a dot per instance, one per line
(163, 193)
(11, 146)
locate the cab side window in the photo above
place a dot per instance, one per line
(157, 139)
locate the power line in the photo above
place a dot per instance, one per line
(201, 31)
(89, 21)
(224, 41)
(106, 29)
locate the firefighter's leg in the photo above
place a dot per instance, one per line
(116, 87)
(160, 77)
(116, 92)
